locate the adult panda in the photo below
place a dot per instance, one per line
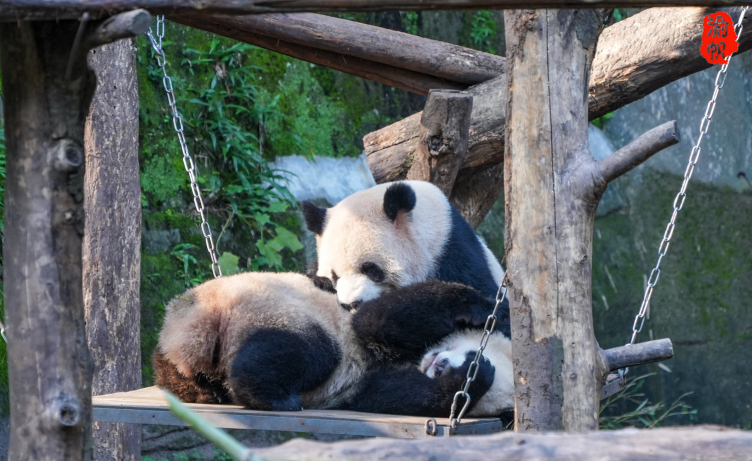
(394, 235)
(277, 342)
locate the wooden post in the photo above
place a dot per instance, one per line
(48, 362)
(551, 197)
(442, 145)
(112, 241)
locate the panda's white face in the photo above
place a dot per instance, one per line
(367, 251)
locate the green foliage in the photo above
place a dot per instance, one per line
(645, 414)
(600, 121)
(483, 32)
(194, 455)
(409, 20)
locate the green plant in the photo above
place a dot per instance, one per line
(600, 121)
(227, 126)
(483, 32)
(410, 21)
(645, 414)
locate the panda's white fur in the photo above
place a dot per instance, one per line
(206, 326)
(452, 352)
(408, 249)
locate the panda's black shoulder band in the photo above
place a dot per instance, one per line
(399, 197)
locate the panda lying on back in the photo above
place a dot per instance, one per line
(272, 341)
(276, 342)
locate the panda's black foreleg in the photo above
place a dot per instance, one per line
(406, 391)
(275, 366)
(401, 325)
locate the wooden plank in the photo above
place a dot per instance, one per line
(147, 406)
(12, 10)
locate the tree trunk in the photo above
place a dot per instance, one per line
(49, 364)
(112, 241)
(551, 197)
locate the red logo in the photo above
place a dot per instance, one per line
(718, 38)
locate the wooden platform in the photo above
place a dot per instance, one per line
(148, 406)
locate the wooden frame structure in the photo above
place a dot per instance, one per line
(538, 110)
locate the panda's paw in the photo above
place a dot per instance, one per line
(322, 283)
(293, 402)
(475, 308)
(483, 378)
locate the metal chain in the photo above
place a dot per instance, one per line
(177, 123)
(720, 79)
(472, 371)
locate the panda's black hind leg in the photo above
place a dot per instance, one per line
(275, 366)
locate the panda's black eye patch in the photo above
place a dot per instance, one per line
(373, 272)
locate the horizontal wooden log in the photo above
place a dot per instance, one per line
(696, 443)
(639, 354)
(12, 10)
(120, 26)
(443, 60)
(241, 28)
(639, 150)
(669, 43)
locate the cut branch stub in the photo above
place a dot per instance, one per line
(639, 150)
(639, 354)
(124, 25)
(444, 133)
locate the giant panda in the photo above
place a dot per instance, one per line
(397, 234)
(273, 341)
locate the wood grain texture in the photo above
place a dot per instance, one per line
(636, 152)
(700, 443)
(241, 28)
(551, 195)
(622, 72)
(112, 240)
(443, 138)
(148, 406)
(49, 365)
(639, 354)
(70, 9)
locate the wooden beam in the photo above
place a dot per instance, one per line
(11, 10)
(442, 60)
(112, 241)
(551, 197)
(623, 72)
(639, 354)
(443, 138)
(701, 443)
(48, 362)
(238, 28)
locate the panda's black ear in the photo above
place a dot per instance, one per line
(399, 198)
(314, 217)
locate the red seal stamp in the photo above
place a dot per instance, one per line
(718, 38)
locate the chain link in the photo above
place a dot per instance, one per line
(694, 156)
(472, 371)
(177, 123)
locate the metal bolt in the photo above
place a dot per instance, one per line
(67, 155)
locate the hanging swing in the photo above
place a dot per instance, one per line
(148, 406)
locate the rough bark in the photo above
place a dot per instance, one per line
(112, 240)
(443, 138)
(475, 195)
(551, 196)
(70, 9)
(622, 73)
(49, 364)
(639, 354)
(699, 443)
(238, 28)
(445, 61)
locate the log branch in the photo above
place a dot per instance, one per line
(29, 10)
(241, 28)
(443, 138)
(697, 443)
(623, 72)
(639, 150)
(112, 29)
(639, 354)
